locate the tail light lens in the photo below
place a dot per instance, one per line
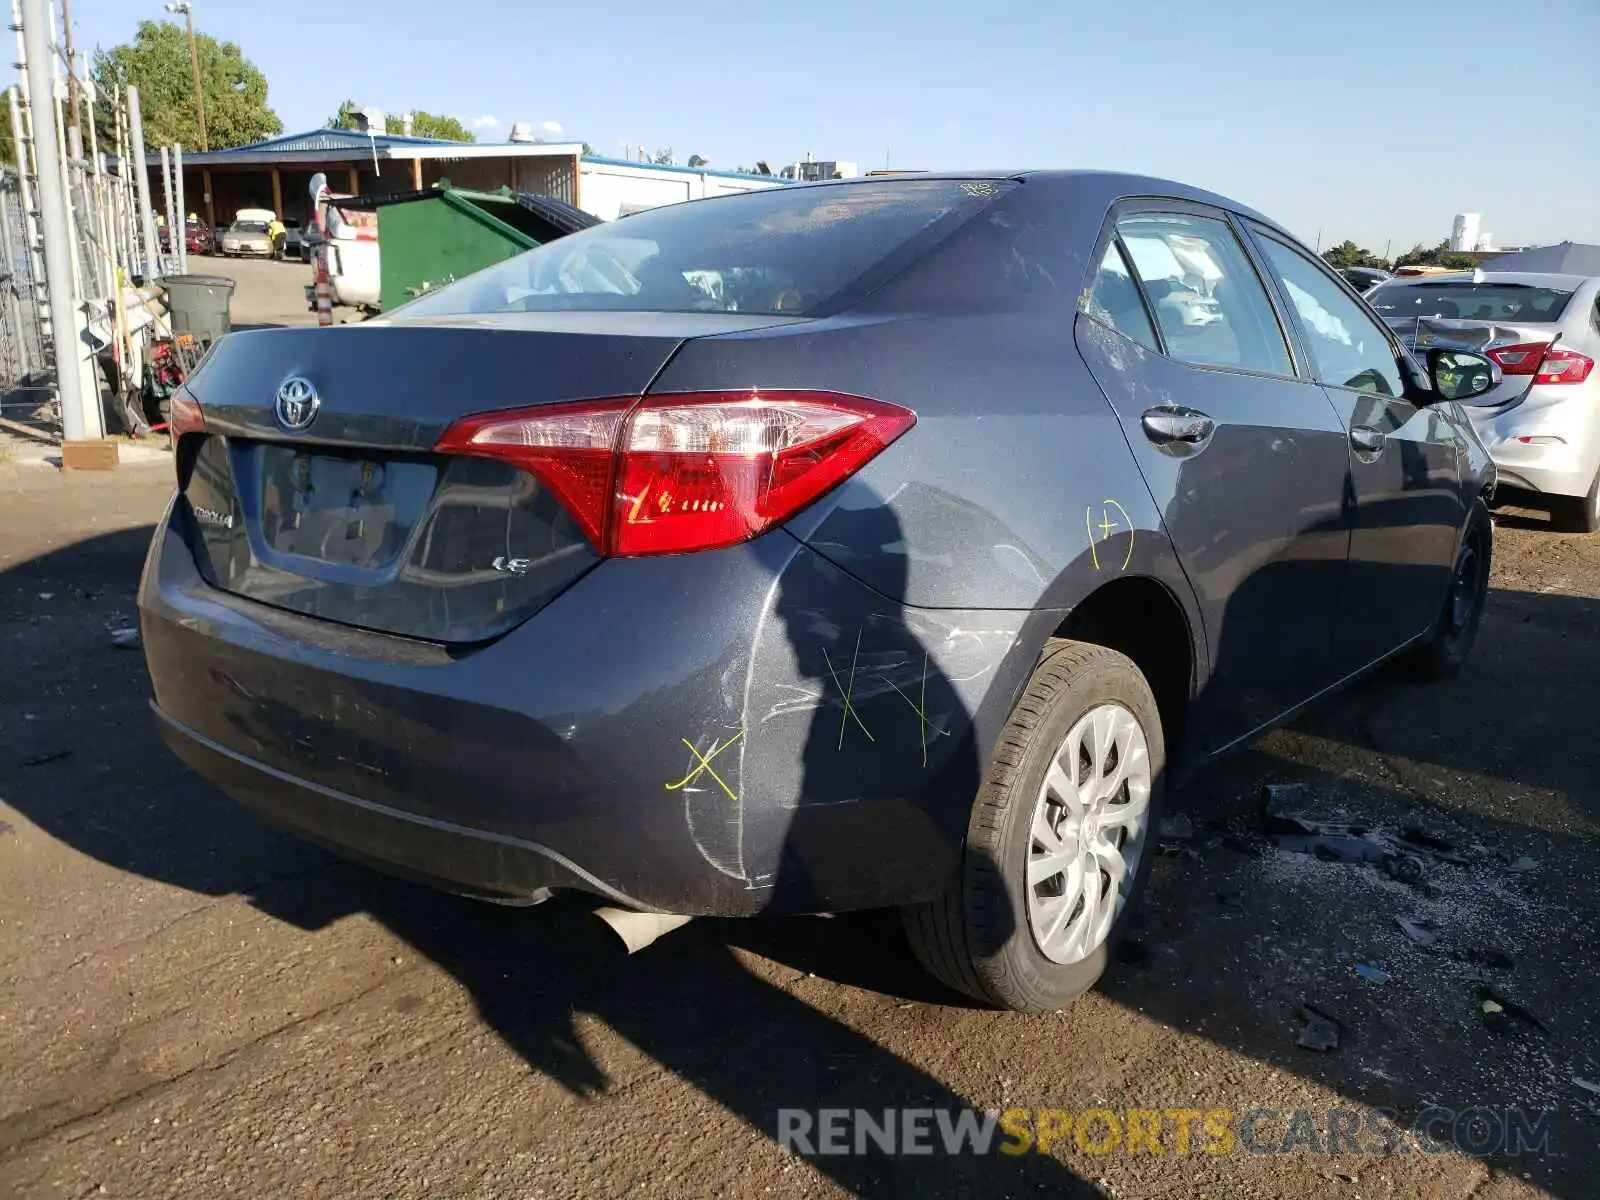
(570, 448)
(1564, 366)
(688, 471)
(1544, 363)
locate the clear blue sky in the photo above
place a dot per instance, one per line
(1369, 119)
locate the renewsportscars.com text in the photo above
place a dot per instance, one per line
(1478, 1131)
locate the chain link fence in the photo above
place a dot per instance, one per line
(28, 400)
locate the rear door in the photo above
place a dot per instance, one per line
(1403, 459)
(1245, 456)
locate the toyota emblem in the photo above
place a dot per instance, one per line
(297, 403)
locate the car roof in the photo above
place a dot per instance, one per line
(1100, 186)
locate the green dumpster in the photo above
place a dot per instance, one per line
(430, 238)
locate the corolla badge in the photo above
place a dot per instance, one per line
(297, 403)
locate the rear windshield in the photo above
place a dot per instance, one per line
(1516, 302)
(779, 251)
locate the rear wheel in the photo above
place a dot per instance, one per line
(1058, 843)
(1445, 651)
(1579, 514)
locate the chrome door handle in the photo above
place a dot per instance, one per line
(1366, 439)
(1164, 426)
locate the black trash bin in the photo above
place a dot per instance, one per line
(199, 305)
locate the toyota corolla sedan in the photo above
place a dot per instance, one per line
(881, 542)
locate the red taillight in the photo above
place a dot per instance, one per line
(1564, 366)
(1546, 365)
(570, 448)
(184, 415)
(687, 471)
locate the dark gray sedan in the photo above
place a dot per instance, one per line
(879, 542)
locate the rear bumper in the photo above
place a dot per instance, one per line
(1563, 453)
(436, 851)
(668, 733)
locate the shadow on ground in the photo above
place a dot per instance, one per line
(1234, 939)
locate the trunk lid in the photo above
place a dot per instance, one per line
(1421, 334)
(333, 503)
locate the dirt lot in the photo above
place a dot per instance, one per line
(193, 1004)
(265, 292)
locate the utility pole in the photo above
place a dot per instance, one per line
(184, 7)
(166, 203)
(144, 218)
(72, 62)
(79, 419)
(180, 230)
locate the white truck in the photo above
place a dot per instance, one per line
(349, 238)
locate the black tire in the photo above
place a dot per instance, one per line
(976, 938)
(1455, 629)
(1578, 514)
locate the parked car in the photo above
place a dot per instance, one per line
(248, 233)
(196, 236)
(1544, 438)
(1364, 279)
(200, 239)
(866, 543)
(291, 243)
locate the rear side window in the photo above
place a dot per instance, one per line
(1350, 347)
(1207, 298)
(780, 251)
(1114, 300)
(1514, 302)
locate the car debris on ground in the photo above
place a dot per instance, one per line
(1318, 1031)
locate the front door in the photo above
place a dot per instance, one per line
(1403, 469)
(1246, 458)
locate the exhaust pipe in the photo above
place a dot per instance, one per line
(638, 929)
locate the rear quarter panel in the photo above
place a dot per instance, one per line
(1016, 490)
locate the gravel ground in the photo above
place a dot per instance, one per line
(194, 1004)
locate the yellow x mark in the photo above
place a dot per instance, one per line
(705, 766)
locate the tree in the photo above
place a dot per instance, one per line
(431, 125)
(1348, 254)
(588, 150)
(663, 157)
(423, 124)
(157, 62)
(8, 149)
(1436, 256)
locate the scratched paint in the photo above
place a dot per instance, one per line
(847, 690)
(920, 707)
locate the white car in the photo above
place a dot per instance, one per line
(248, 233)
(1541, 424)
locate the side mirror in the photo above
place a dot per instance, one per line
(1461, 374)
